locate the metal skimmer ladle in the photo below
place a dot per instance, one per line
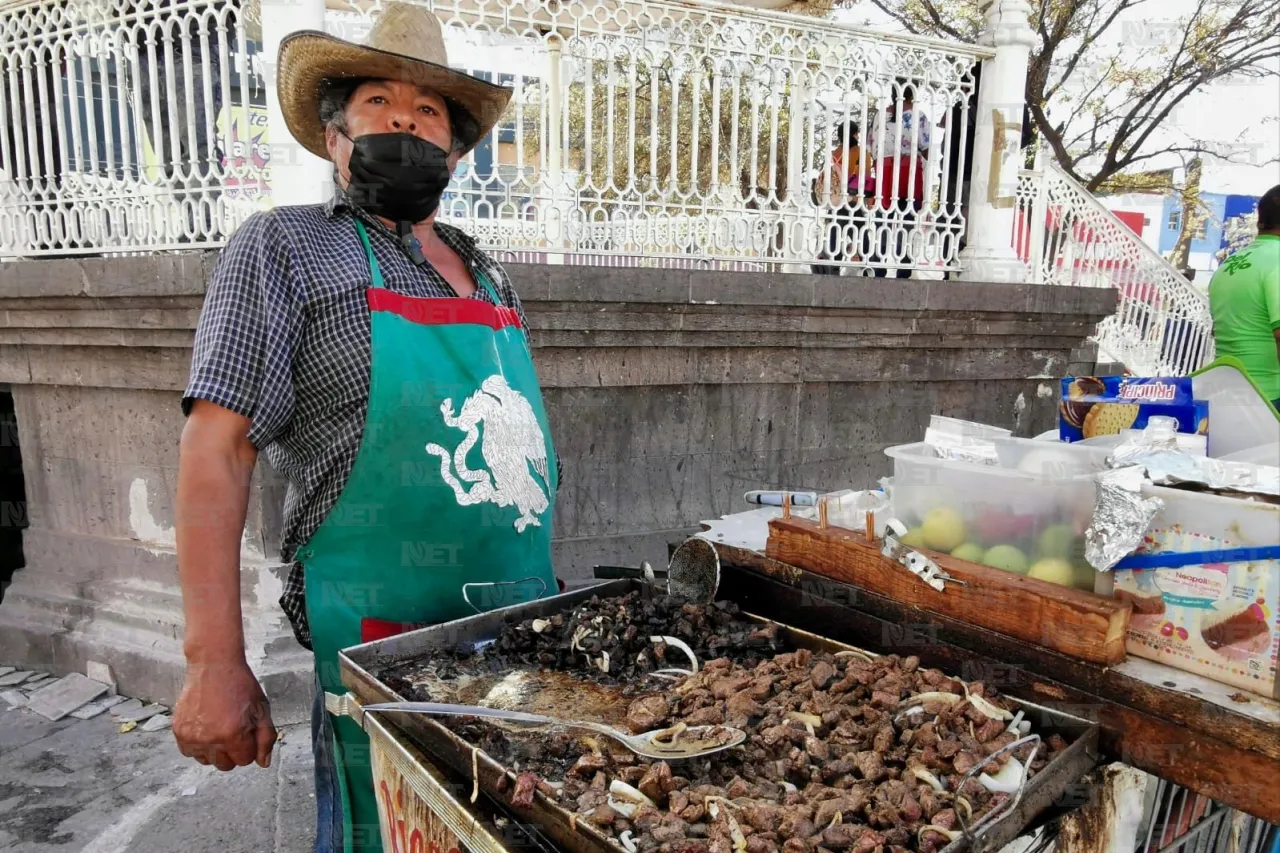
(667, 744)
(694, 572)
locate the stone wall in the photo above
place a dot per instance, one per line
(670, 394)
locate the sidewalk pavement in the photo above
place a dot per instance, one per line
(80, 785)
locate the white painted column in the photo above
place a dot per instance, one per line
(798, 214)
(989, 255)
(556, 215)
(297, 175)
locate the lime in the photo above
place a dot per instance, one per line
(943, 529)
(914, 537)
(1009, 558)
(1056, 540)
(970, 551)
(1054, 570)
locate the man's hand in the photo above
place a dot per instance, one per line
(223, 717)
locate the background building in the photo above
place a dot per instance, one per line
(1209, 237)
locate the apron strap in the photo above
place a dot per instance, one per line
(484, 282)
(375, 272)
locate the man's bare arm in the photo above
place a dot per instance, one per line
(215, 464)
(222, 717)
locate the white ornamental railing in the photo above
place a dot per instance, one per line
(1162, 325)
(642, 133)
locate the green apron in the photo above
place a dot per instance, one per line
(447, 511)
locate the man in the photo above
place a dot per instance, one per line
(379, 361)
(1244, 298)
(900, 173)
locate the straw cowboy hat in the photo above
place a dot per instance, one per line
(405, 44)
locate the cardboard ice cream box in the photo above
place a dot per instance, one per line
(1093, 406)
(1218, 613)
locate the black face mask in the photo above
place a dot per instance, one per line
(398, 176)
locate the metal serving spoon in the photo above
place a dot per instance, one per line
(668, 744)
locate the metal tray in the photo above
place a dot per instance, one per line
(555, 824)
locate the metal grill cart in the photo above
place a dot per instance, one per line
(437, 791)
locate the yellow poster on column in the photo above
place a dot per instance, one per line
(246, 155)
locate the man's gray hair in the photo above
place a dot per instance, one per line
(334, 95)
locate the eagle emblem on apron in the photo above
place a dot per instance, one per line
(513, 447)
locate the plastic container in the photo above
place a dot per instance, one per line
(1219, 620)
(1194, 444)
(1239, 416)
(1060, 459)
(1266, 454)
(1002, 504)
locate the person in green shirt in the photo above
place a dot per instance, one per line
(1244, 298)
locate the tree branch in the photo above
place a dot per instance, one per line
(1153, 122)
(1092, 35)
(1050, 135)
(900, 17)
(939, 24)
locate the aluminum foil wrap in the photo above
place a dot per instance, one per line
(963, 441)
(1120, 519)
(1155, 451)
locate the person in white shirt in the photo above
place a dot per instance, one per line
(900, 175)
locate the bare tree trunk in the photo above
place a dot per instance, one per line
(1192, 215)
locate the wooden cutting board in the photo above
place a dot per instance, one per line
(1076, 623)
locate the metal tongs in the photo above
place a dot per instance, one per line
(999, 813)
(679, 741)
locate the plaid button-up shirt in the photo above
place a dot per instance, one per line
(284, 340)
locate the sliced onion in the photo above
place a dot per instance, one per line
(712, 801)
(625, 838)
(949, 834)
(1017, 721)
(807, 719)
(932, 696)
(929, 779)
(851, 653)
(1024, 727)
(604, 662)
(985, 707)
(1007, 781)
(540, 625)
(735, 831)
(582, 633)
(621, 789)
(681, 645)
(789, 788)
(670, 735)
(625, 808)
(968, 809)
